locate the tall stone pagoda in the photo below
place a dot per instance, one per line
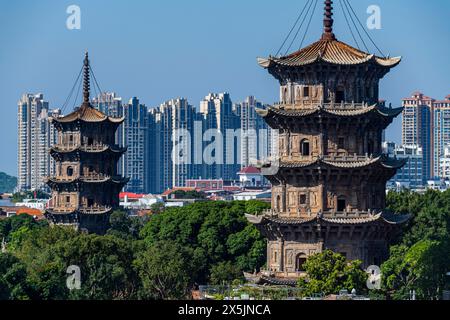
(86, 187)
(329, 182)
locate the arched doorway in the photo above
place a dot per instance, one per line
(305, 148)
(300, 261)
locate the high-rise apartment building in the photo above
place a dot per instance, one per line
(411, 175)
(257, 138)
(441, 133)
(221, 125)
(426, 123)
(134, 136)
(417, 127)
(175, 120)
(35, 136)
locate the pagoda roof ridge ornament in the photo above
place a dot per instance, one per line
(328, 21)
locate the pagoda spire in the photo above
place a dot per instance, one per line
(86, 81)
(328, 21)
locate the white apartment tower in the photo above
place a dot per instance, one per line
(35, 136)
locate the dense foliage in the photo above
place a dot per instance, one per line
(161, 257)
(7, 183)
(329, 273)
(166, 255)
(420, 259)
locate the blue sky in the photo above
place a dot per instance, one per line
(161, 49)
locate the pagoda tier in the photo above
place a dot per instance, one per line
(357, 235)
(86, 187)
(285, 116)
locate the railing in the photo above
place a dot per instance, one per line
(316, 103)
(94, 210)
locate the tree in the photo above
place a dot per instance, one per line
(330, 272)
(13, 278)
(216, 232)
(165, 270)
(421, 268)
(225, 272)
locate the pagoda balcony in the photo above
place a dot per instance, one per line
(308, 104)
(62, 209)
(95, 210)
(91, 178)
(87, 148)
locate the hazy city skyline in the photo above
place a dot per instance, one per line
(208, 46)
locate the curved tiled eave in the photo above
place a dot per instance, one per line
(339, 112)
(328, 51)
(383, 217)
(383, 161)
(88, 114)
(113, 180)
(78, 150)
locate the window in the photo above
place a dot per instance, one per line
(341, 143)
(300, 262)
(342, 204)
(71, 138)
(275, 257)
(67, 199)
(304, 146)
(90, 141)
(279, 203)
(305, 92)
(340, 96)
(303, 199)
(69, 171)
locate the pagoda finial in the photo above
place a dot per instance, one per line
(86, 80)
(328, 21)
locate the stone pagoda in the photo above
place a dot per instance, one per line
(329, 181)
(86, 187)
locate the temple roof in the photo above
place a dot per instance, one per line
(87, 113)
(329, 51)
(350, 111)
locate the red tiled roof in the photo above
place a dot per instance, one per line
(250, 170)
(131, 195)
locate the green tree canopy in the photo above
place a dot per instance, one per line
(330, 272)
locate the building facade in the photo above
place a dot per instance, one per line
(258, 140)
(134, 136)
(35, 136)
(328, 185)
(411, 175)
(86, 185)
(221, 126)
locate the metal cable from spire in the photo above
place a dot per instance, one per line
(349, 26)
(309, 24)
(71, 91)
(356, 27)
(300, 27)
(365, 31)
(293, 27)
